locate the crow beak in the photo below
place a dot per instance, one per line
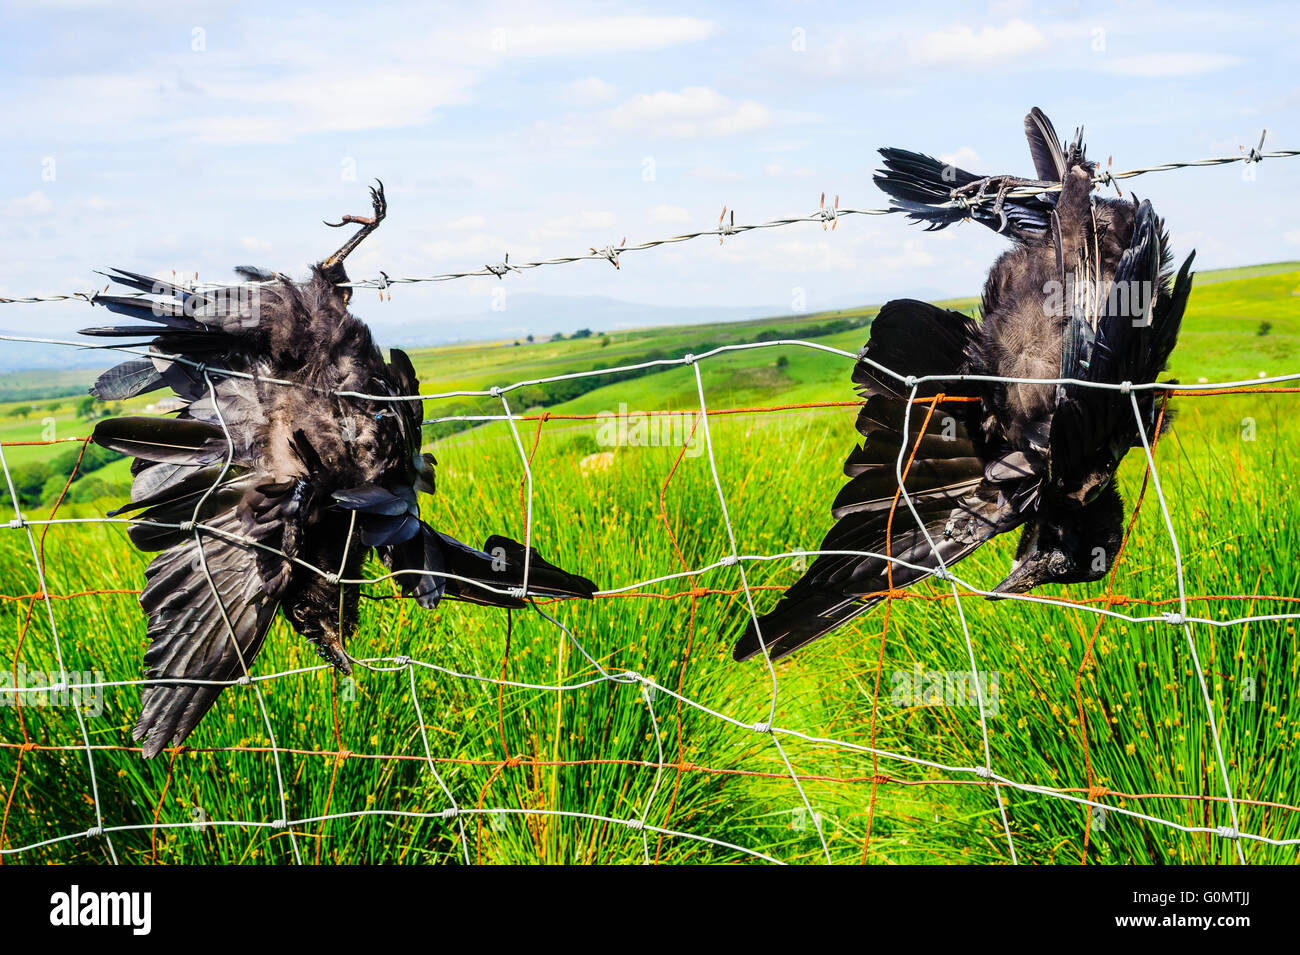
(1020, 580)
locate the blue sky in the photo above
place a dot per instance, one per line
(156, 137)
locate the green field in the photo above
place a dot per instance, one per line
(1227, 472)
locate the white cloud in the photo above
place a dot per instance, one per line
(776, 170)
(1009, 8)
(464, 251)
(1292, 237)
(329, 102)
(1169, 64)
(592, 91)
(911, 255)
(578, 225)
(252, 244)
(695, 112)
(963, 44)
(600, 35)
(667, 213)
(716, 174)
(466, 222)
(794, 255)
(963, 156)
(33, 204)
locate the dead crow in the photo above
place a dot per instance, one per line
(1084, 294)
(273, 482)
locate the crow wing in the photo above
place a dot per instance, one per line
(1045, 147)
(212, 591)
(200, 629)
(959, 506)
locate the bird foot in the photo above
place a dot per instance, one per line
(379, 204)
(975, 191)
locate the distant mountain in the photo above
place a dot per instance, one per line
(22, 356)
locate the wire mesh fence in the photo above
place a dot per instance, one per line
(760, 718)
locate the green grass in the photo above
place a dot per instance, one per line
(1230, 500)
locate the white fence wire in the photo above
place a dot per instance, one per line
(455, 813)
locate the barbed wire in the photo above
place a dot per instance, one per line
(828, 216)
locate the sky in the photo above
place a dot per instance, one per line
(157, 136)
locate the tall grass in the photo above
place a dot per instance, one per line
(1142, 709)
(1226, 469)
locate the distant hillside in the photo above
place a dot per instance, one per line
(21, 356)
(38, 384)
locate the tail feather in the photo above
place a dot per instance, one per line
(796, 623)
(1045, 146)
(162, 440)
(131, 378)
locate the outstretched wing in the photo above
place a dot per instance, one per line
(923, 187)
(958, 505)
(208, 615)
(210, 599)
(838, 587)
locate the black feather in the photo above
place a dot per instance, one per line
(127, 380)
(1045, 146)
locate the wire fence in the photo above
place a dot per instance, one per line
(761, 720)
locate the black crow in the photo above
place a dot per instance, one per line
(1084, 294)
(269, 474)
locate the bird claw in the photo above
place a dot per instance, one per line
(368, 225)
(378, 203)
(980, 187)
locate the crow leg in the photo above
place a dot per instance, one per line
(974, 191)
(368, 225)
(1074, 208)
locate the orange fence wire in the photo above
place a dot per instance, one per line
(680, 766)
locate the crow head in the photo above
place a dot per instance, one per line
(1068, 546)
(1090, 488)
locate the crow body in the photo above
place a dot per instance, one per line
(270, 486)
(1085, 293)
